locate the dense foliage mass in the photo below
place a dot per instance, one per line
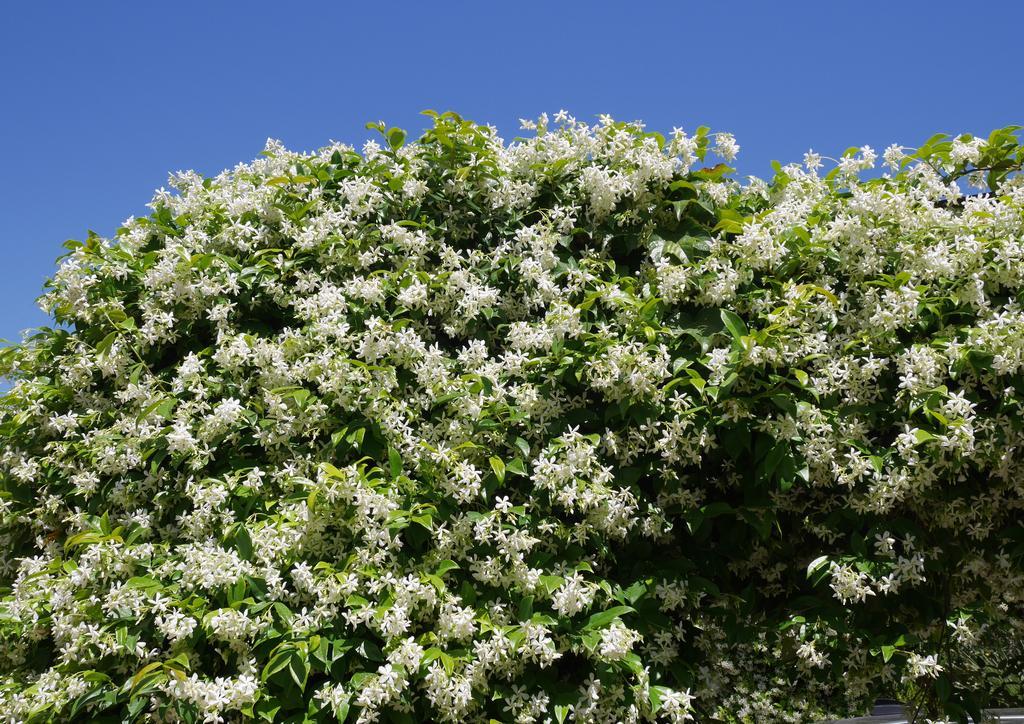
(576, 428)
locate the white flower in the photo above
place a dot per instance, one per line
(726, 146)
(918, 666)
(617, 641)
(176, 625)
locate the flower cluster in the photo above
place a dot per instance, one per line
(576, 428)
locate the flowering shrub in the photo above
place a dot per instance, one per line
(577, 428)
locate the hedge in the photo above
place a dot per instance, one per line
(575, 428)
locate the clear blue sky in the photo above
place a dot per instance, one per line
(100, 100)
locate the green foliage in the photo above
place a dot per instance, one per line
(573, 429)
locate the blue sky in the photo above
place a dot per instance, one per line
(100, 100)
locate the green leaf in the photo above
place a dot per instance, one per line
(775, 455)
(445, 566)
(161, 408)
(356, 437)
(88, 536)
(283, 612)
(818, 569)
(713, 510)
(923, 436)
(656, 695)
(729, 226)
(243, 542)
(332, 471)
(278, 662)
(142, 676)
(105, 344)
(734, 324)
(298, 667)
(552, 583)
(396, 137)
(180, 662)
(394, 462)
(634, 592)
(758, 520)
(816, 289)
(516, 467)
(341, 708)
(267, 708)
(144, 583)
(426, 520)
(603, 618)
(498, 467)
